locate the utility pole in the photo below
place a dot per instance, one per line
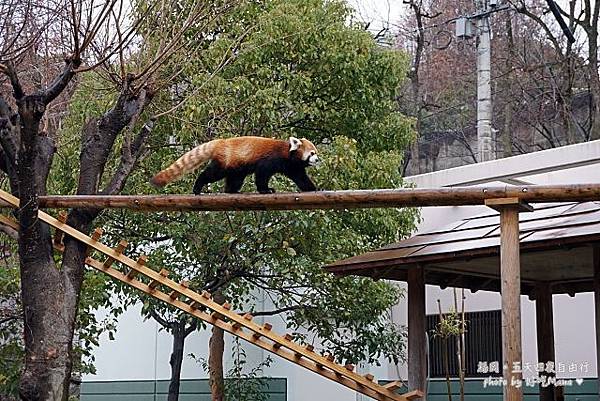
(485, 149)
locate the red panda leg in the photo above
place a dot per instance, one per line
(302, 180)
(262, 177)
(233, 183)
(212, 173)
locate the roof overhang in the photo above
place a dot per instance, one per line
(556, 247)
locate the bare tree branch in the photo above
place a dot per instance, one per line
(9, 70)
(163, 322)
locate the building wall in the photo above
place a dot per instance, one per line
(573, 316)
(141, 350)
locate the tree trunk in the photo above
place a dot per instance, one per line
(51, 295)
(176, 360)
(594, 80)
(49, 328)
(215, 359)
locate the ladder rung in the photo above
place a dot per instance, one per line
(287, 337)
(265, 327)
(206, 295)
(349, 367)
(119, 249)
(310, 347)
(131, 274)
(97, 234)
(413, 395)
(393, 386)
(218, 315)
(155, 283)
(369, 377)
(247, 316)
(58, 234)
(95, 237)
(176, 294)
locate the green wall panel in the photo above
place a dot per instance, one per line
(474, 391)
(198, 390)
(147, 390)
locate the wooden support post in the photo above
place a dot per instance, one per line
(545, 334)
(510, 277)
(596, 262)
(417, 360)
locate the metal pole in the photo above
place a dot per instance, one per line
(485, 149)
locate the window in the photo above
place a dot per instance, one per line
(483, 343)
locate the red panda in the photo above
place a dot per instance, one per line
(235, 158)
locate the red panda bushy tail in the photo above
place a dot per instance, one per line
(185, 164)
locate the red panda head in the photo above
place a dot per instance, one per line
(304, 150)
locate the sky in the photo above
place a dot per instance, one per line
(378, 11)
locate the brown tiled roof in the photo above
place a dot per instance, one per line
(556, 244)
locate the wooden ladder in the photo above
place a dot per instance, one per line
(202, 306)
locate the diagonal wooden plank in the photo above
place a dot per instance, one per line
(282, 346)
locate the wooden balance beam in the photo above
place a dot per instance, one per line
(328, 199)
(157, 284)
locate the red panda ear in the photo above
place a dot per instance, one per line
(294, 143)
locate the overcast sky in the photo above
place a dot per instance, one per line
(378, 11)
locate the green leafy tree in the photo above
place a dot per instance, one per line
(62, 42)
(299, 69)
(11, 323)
(279, 255)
